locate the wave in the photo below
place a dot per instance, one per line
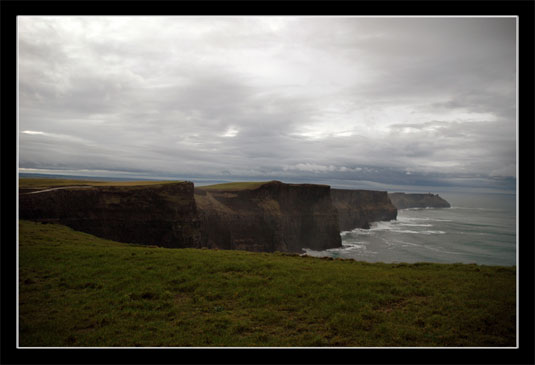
(415, 225)
(420, 232)
(403, 219)
(394, 226)
(402, 243)
(416, 232)
(474, 208)
(381, 226)
(348, 247)
(359, 231)
(350, 251)
(391, 226)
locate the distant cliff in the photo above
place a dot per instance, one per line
(270, 216)
(404, 201)
(358, 208)
(163, 215)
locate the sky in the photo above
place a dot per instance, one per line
(398, 103)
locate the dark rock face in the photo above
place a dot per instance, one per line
(273, 217)
(358, 208)
(404, 201)
(163, 215)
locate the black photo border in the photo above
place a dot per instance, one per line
(523, 354)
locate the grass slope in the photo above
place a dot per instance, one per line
(79, 290)
(247, 185)
(43, 183)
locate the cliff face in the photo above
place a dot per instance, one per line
(403, 201)
(358, 208)
(268, 217)
(163, 215)
(271, 217)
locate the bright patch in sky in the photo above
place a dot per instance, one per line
(231, 132)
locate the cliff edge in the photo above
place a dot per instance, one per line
(404, 201)
(271, 216)
(359, 208)
(160, 214)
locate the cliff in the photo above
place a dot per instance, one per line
(270, 216)
(262, 216)
(358, 208)
(160, 214)
(404, 201)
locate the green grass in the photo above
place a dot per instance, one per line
(248, 185)
(79, 290)
(43, 183)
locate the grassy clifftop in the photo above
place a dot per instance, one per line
(79, 290)
(43, 183)
(247, 185)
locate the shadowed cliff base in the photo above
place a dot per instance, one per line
(404, 201)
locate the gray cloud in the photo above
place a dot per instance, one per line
(387, 100)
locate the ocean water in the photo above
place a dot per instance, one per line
(478, 228)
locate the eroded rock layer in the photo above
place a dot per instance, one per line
(359, 208)
(163, 215)
(273, 216)
(404, 201)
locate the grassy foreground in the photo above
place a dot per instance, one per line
(79, 290)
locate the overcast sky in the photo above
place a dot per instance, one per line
(387, 103)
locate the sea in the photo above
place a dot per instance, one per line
(478, 228)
